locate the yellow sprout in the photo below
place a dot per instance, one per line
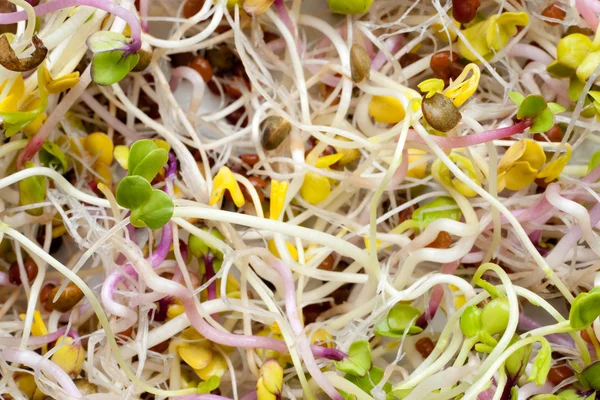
(63, 83)
(520, 164)
(201, 354)
(315, 188)
(278, 193)
(69, 356)
(386, 109)
(442, 32)
(348, 155)
(225, 180)
(553, 169)
(431, 86)
(443, 174)
(462, 88)
(271, 377)
(273, 249)
(99, 146)
(34, 126)
(16, 92)
(416, 167)
(121, 154)
(38, 327)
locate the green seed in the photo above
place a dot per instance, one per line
(440, 112)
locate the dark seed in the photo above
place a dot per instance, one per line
(202, 66)
(327, 263)
(161, 347)
(554, 134)
(181, 59)
(360, 63)
(440, 112)
(442, 241)
(425, 346)
(555, 12)
(445, 65)
(191, 8)
(559, 373)
(14, 273)
(222, 60)
(67, 299)
(274, 131)
(464, 10)
(250, 159)
(408, 59)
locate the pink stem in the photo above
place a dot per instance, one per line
(4, 281)
(436, 297)
(33, 360)
(291, 310)
(37, 341)
(104, 5)
(584, 8)
(393, 44)
(530, 52)
(526, 323)
(144, 8)
(210, 273)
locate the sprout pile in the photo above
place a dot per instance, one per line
(269, 199)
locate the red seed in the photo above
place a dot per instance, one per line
(327, 263)
(425, 346)
(191, 8)
(554, 134)
(559, 373)
(202, 66)
(14, 272)
(464, 10)
(555, 12)
(445, 65)
(250, 159)
(408, 59)
(235, 86)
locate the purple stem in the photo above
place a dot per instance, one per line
(436, 297)
(40, 340)
(527, 323)
(210, 273)
(104, 5)
(144, 8)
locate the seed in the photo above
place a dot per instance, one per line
(250, 159)
(408, 59)
(234, 117)
(559, 373)
(442, 241)
(181, 59)
(578, 29)
(202, 66)
(222, 60)
(274, 130)
(586, 337)
(258, 184)
(235, 86)
(440, 112)
(14, 274)
(555, 12)
(555, 135)
(191, 8)
(161, 347)
(327, 263)
(464, 10)
(445, 65)
(360, 63)
(86, 387)
(425, 346)
(67, 299)
(145, 54)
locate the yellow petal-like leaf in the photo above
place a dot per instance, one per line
(194, 355)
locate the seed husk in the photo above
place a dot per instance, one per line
(145, 54)
(274, 130)
(440, 112)
(10, 61)
(360, 63)
(86, 387)
(67, 299)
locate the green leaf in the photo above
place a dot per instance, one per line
(211, 384)
(112, 66)
(133, 192)
(470, 321)
(428, 213)
(558, 70)
(495, 315)
(543, 122)
(383, 329)
(368, 382)
(594, 161)
(15, 121)
(402, 317)
(591, 375)
(575, 89)
(104, 41)
(52, 156)
(350, 6)
(146, 159)
(556, 108)
(516, 97)
(155, 213)
(199, 247)
(541, 364)
(359, 359)
(531, 106)
(515, 364)
(585, 309)
(32, 190)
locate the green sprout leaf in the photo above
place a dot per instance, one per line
(558, 70)
(495, 315)
(556, 108)
(543, 122)
(573, 49)
(516, 97)
(368, 382)
(359, 359)
(428, 213)
(32, 190)
(146, 159)
(155, 212)
(209, 385)
(541, 364)
(112, 66)
(350, 6)
(470, 321)
(402, 317)
(104, 41)
(585, 309)
(52, 156)
(531, 106)
(594, 161)
(515, 364)
(199, 247)
(591, 376)
(133, 192)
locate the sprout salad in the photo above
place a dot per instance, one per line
(287, 199)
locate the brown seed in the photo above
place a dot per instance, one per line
(202, 66)
(440, 112)
(555, 135)
(258, 184)
(327, 263)
(161, 347)
(312, 311)
(222, 60)
(341, 294)
(408, 59)
(250, 159)
(360, 63)
(14, 273)
(235, 86)
(554, 11)
(445, 65)
(579, 29)
(586, 337)
(234, 117)
(425, 346)
(442, 241)
(559, 373)
(192, 7)
(464, 10)
(274, 130)
(86, 387)
(44, 294)
(181, 59)
(67, 299)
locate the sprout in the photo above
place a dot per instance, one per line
(10, 61)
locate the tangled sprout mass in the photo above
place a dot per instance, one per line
(269, 199)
